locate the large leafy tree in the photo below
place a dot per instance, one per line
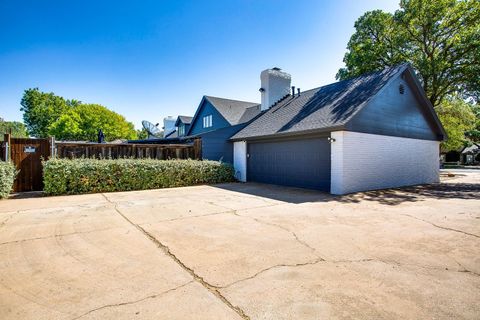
(83, 121)
(41, 109)
(474, 133)
(458, 119)
(47, 114)
(17, 129)
(440, 38)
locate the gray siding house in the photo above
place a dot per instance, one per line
(372, 132)
(216, 120)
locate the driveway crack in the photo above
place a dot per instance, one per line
(54, 236)
(303, 243)
(274, 267)
(211, 288)
(153, 296)
(441, 227)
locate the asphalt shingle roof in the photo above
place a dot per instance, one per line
(185, 119)
(322, 108)
(235, 111)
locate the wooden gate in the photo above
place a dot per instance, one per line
(27, 155)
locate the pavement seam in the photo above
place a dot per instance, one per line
(153, 296)
(211, 288)
(56, 236)
(441, 227)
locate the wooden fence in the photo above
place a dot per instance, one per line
(129, 150)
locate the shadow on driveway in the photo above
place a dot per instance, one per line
(445, 190)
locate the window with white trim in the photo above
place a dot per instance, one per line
(207, 121)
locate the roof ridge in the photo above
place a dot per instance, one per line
(231, 99)
(357, 77)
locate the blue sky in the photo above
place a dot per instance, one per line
(149, 59)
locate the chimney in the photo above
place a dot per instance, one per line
(275, 86)
(168, 125)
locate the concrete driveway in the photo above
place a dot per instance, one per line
(244, 251)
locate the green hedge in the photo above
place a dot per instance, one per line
(65, 176)
(7, 177)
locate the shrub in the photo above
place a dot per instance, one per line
(74, 176)
(7, 177)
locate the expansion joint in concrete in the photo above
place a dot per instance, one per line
(211, 288)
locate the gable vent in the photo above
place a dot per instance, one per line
(401, 89)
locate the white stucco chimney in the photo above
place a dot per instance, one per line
(275, 86)
(168, 125)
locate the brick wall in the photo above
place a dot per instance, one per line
(240, 160)
(367, 161)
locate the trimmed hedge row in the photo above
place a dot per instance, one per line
(66, 176)
(7, 177)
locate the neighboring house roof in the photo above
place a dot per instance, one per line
(473, 149)
(183, 119)
(233, 111)
(324, 108)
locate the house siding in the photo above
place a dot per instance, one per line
(361, 161)
(394, 114)
(218, 121)
(216, 146)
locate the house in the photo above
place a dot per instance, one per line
(216, 120)
(471, 154)
(375, 131)
(183, 125)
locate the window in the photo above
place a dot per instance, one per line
(181, 130)
(207, 121)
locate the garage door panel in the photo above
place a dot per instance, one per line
(301, 163)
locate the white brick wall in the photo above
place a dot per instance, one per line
(363, 161)
(240, 160)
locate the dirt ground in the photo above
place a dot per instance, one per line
(244, 251)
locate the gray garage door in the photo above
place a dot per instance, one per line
(301, 163)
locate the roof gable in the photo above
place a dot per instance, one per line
(397, 110)
(232, 111)
(183, 119)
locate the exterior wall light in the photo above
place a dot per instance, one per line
(331, 140)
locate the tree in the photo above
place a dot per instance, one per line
(82, 122)
(46, 114)
(474, 133)
(17, 128)
(40, 110)
(142, 134)
(457, 118)
(440, 38)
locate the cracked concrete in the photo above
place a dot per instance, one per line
(244, 251)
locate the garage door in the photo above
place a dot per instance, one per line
(301, 163)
